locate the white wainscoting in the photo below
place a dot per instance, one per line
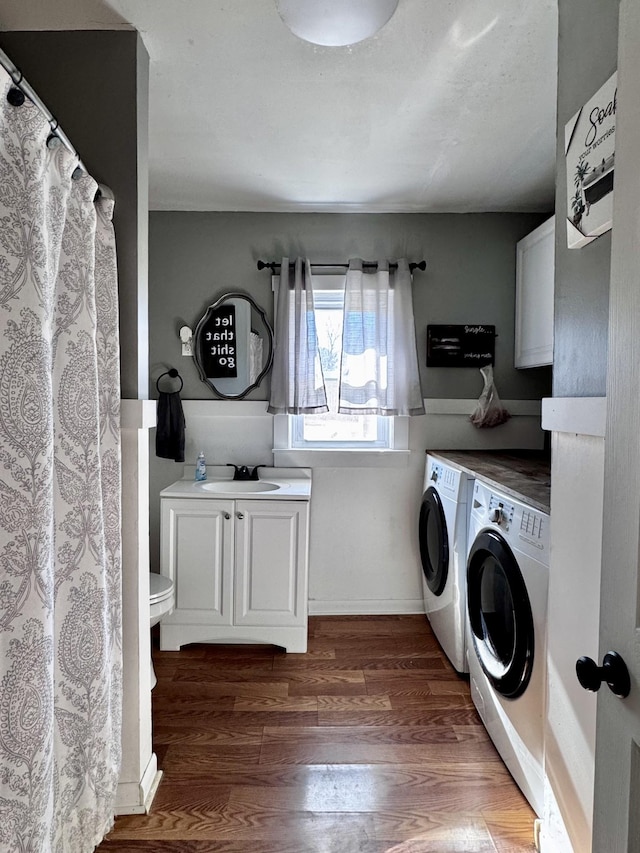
(139, 776)
(364, 556)
(577, 477)
(446, 426)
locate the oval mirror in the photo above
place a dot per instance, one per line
(233, 346)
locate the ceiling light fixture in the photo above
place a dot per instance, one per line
(335, 23)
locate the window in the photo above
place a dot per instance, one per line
(331, 431)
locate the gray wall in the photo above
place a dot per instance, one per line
(95, 83)
(470, 278)
(587, 57)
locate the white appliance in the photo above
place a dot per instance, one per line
(443, 526)
(507, 582)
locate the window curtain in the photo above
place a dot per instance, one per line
(297, 382)
(60, 555)
(379, 369)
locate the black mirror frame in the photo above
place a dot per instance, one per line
(196, 344)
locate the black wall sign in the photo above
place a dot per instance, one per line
(460, 346)
(219, 345)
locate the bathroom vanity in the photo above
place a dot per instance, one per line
(237, 552)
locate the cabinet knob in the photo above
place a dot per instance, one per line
(240, 515)
(227, 515)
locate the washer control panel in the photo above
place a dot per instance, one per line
(446, 479)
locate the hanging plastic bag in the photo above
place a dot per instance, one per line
(489, 411)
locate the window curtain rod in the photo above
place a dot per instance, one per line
(275, 267)
(56, 131)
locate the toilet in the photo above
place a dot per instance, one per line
(161, 604)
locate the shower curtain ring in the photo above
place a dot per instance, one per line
(16, 97)
(53, 140)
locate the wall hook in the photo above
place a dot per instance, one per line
(186, 336)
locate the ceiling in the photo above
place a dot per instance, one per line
(449, 108)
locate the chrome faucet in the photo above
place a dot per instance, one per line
(242, 472)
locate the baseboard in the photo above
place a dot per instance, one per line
(136, 797)
(366, 607)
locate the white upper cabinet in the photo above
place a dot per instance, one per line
(534, 297)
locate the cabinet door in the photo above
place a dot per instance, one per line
(271, 563)
(197, 553)
(534, 297)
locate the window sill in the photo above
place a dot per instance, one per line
(341, 458)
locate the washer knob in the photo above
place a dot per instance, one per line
(434, 475)
(495, 515)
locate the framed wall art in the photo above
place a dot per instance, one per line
(589, 155)
(472, 345)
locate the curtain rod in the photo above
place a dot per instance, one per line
(274, 266)
(19, 82)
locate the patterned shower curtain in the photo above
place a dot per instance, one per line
(60, 585)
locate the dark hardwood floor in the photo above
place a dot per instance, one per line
(369, 743)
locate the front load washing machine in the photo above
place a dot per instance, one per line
(443, 547)
(507, 582)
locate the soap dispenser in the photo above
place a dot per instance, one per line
(201, 467)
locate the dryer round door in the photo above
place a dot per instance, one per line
(434, 541)
(500, 614)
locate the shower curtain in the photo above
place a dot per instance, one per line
(60, 586)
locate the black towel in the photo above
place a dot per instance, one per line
(170, 427)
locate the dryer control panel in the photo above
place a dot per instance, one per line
(533, 532)
(524, 528)
(500, 513)
(531, 524)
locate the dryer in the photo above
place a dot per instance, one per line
(507, 583)
(443, 547)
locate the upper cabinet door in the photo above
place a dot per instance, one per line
(534, 297)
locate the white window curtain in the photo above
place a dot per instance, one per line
(297, 382)
(379, 369)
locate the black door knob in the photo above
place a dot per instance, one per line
(613, 672)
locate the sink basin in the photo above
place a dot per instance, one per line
(240, 486)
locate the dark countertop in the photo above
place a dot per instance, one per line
(523, 474)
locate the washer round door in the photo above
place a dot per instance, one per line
(500, 614)
(434, 541)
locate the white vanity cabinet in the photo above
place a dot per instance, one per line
(239, 569)
(535, 262)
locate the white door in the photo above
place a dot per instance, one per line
(617, 790)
